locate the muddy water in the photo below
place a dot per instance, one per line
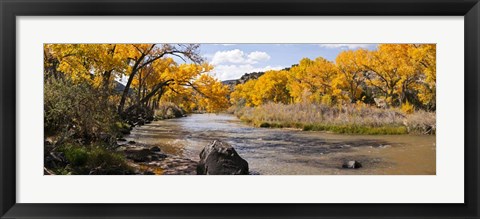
(289, 151)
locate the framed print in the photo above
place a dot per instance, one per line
(252, 109)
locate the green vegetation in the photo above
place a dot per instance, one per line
(77, 110)
(92, 159)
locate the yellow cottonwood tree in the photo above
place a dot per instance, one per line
(392, 71)
(350, 67)
(271, 86)
(242, 94)
(192, 88)
(97, 63)
(311, 80)
(425, 54)
(211, 95)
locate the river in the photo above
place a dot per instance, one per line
(290, 151)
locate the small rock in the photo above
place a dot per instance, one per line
(155, 149)
(161, 156)
(131, 142)
(125, 131)
(352, 164)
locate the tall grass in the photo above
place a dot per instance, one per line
(354, 118)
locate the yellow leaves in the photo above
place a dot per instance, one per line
(242, 93)
(395, 73)
(270, 87)
(350, 67)
(157, 72)
(407, 108)
(211, 93)
(152, 73)
(89, 62)
(396, 69)
(313, 76)
(194, 89)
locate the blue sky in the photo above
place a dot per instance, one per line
(231, 61)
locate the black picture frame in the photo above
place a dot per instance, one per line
(10, 9)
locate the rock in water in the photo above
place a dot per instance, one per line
(353, 164)
(155, 149)
(219, 158)
(143, 155)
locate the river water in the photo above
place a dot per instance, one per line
(289, 151)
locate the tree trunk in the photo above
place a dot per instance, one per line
(151, 94)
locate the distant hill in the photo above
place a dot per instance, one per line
(246, 77)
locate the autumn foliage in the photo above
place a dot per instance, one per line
(394, 75)
(149, 71)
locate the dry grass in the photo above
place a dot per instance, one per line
(358, 119)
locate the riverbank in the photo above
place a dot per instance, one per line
(109, 153)
(348, 119)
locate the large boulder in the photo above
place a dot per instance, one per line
(219, 158)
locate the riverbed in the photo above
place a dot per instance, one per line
(271, 151)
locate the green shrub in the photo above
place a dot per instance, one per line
(76, 155)
(92, 159)
(77, 109)
(100, 156)
(121, 128)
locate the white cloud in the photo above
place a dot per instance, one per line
(237, 56)
(230, 56)
(229, 72)
(232, 64)
(343, 46)
(258, 56)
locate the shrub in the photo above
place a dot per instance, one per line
(92, 159)
(76, 155)
(77, 109)
(121, 128)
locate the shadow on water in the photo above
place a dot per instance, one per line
(289, 151)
